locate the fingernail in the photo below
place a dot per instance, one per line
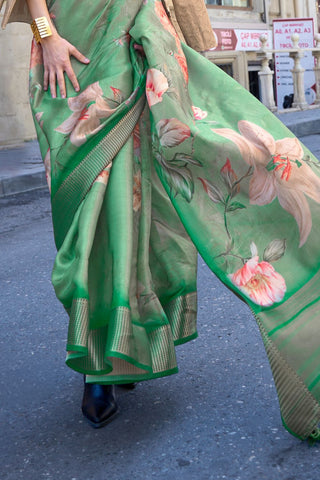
(87, 60)
(63, 96)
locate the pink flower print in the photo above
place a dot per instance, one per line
(181, 59)
(38, 117)
(260, 282)
(136, 140)
(229, 176)
(172, 132)
(227, 168)
(283, 164)
(198, 113)
(103, 177)
(163, 17)
(124, 39)
(47, 168)
(213, 191)
(88, 107)
(36, 54)
(137, 191)
(156, 86)
(279, 171)
(117, 95)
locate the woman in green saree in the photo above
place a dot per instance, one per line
(152, 155)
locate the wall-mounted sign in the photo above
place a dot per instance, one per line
(282, 31)
(240, 39)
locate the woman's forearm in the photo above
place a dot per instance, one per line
(38, 8)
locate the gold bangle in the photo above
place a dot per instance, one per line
(40, 28)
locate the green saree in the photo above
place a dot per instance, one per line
(160, 156)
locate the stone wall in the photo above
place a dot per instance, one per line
(16, 124)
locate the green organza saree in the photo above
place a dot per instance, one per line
(160, 156)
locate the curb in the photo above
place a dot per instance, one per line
(21, 169)
(302, 122)
(22, 183)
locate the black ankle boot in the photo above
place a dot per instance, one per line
(99, 404)
(127, 386)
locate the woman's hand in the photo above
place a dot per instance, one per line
(56, 59)
(56, 53)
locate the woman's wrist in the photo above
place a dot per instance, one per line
(41, 29)
(39, 12)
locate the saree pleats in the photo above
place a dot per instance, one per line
(160, 156)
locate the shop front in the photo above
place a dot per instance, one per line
(238, 25)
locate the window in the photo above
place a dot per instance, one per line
(230, 3)
(227, 68)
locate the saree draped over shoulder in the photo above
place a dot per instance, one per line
(160, 156)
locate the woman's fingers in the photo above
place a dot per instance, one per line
(52, 81)
(69, 70)
(78, 55)
(61, 83)
(72, 77)
(45, 79)
(57, 77)
(57, 52)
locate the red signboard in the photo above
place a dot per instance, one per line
(241, 39)
(226, 39)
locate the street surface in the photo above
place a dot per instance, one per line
(217, 419)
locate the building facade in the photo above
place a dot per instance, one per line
(236, 23)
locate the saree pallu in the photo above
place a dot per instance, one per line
(162, 155)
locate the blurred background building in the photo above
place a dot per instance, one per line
(238, 25)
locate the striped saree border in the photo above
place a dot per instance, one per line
(112, 349)
(182, 315)
(293, 363)
(79, 326)
(162, 349)
(75, 187)
(300, 411)
(110, 352)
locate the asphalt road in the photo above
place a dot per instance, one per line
(217, 419)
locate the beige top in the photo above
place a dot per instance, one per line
(189, 18)
(15, 11)
(191, 21)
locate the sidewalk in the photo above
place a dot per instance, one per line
(302, 123)
(21, 168)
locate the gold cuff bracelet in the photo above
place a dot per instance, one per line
(40, 28)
